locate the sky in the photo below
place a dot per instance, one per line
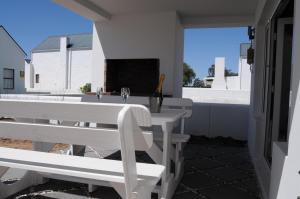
(201, 46)
(31, 21)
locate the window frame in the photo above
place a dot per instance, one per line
(9, 78)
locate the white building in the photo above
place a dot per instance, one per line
(146, 28)
(11, 64)
(240, 82)
(60, 64)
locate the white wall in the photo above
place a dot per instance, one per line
(244, 74)
(207, 95)
(81, 68)
(12, 57)
(233, 82)
(218, 112)
(140, 36)
(257, 123)
(49, 65)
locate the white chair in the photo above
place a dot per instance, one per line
(129, 178)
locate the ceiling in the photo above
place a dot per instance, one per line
(186, 8)
(192, 12)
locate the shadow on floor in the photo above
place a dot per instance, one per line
(218, 168)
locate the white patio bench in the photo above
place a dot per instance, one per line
(129, 178)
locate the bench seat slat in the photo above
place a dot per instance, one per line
(176, 138)
(76, 166)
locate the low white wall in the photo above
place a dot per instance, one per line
(208, 95)
(233, 82)
(218, 113)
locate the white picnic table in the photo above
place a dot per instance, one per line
(167, 119)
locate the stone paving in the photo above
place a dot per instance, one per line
(218, 168)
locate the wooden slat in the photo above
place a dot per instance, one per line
(107, 139)
(167, 102)
(70, 111)
(82, 167)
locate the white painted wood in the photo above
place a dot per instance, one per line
(84, 167)
(168, 102)
(176, 138)
(128, 137)
(108, 139)
(173, 110)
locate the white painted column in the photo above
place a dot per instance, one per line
(63, 59)
(98, 59)
(219, 82)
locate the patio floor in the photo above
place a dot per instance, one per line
(218, 168)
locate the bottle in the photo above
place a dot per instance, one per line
(158, 91)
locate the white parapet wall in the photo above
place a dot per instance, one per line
(218, 112)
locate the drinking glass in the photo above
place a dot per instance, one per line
(125, 92)
(99, 93)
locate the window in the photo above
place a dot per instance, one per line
(8, 78)
(37, 78)
(22, 74)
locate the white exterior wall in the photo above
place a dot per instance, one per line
(240, 82)
(28, 75)
(233, 83)
(244, 74)
(219, 79)
(210, 112)
(12, 57)
(270, 179)
(140, 36)
(63, 71)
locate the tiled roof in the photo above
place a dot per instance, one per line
(76, 42)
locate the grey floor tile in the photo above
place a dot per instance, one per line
(226, 192)
(228, 174)
(198, 181)
(201, 164)
(217, 168)
(186, 195)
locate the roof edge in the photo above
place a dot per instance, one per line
(1, 26)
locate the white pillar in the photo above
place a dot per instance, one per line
(219, 82)
(64, 60)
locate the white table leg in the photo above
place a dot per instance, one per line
(167, 178)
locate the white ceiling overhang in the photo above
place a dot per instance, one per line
(193, 13)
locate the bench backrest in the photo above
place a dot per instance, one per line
(126, 137)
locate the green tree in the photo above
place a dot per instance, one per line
(86, 88)
(228, 72)
(211, 71)
(188, 74)
(198, 83)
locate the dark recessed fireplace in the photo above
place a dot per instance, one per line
(140, 75)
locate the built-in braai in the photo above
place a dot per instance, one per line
(140, 75)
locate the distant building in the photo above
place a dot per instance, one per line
(60, 64)
(11, 64)
(240, 82)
